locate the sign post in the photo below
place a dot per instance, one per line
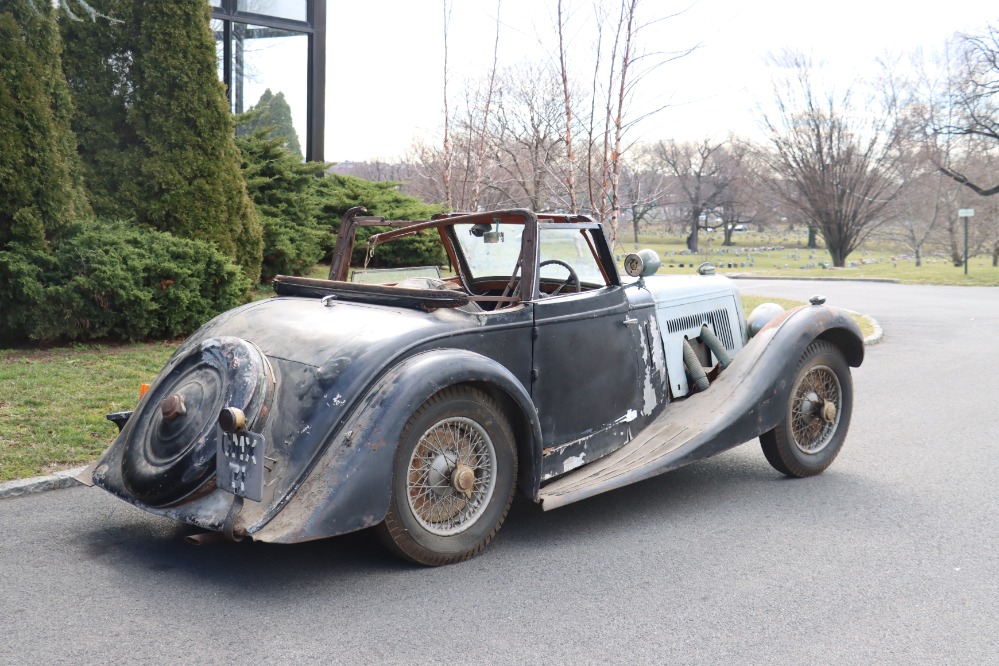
(965, 213)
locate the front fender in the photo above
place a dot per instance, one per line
(756, 388)
(350, 485)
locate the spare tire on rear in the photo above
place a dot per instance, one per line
(171, 449)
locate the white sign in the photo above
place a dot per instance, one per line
(965, 212)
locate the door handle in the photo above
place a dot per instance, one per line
(630, 321)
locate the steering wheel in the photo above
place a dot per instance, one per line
(569, 280)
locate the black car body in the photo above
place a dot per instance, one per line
(421, 405)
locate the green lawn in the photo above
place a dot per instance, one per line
(53, 402)
(748, 256)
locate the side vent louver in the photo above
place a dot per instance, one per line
(717, 319)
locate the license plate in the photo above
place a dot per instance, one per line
(240, 464)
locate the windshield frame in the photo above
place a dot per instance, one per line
(525, 282)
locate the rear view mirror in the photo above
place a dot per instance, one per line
(487, 233)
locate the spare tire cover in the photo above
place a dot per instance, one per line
(167, 459)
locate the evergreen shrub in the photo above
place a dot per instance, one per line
(337, 194)
(281, 187)
(113, 279)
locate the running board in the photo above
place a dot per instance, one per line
(653, 445)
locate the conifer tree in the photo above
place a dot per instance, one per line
(281, 187)
(154, 125)
(98, 66)
(188, 174)
(336, 194)
(40, 184)
(272, 113)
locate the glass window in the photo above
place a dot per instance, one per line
(218, 32)
(490, 253)
(495, 252)
(215, 3)
(569, 246)
(270, 72)
(296, 10)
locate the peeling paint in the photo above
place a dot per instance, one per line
(574, 462)
(628, 417)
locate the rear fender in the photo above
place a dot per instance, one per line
(350, 486)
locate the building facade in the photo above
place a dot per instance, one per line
(274, 52)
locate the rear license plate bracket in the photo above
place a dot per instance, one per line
(240, 464)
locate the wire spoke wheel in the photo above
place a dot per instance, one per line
(453, 480)
(818, 413)
(444, 498)
(815, 409)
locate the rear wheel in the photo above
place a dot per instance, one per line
(453, 479)
(817, 414)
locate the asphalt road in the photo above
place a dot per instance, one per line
(891, 556)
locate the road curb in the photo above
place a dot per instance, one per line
(750, 276)
(38, 484)
(878, 334)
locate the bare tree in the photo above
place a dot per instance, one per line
(480, 152)
(838, 171)
(527, 152)
(973, 98)
(570, 157)
(923, 207)
(644, 187)
(446, 167)
(625, 66)
(703, 175)
(628, 20)
(515, 139)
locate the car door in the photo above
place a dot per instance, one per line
(585, 376)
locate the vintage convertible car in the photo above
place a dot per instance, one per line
(418, 402)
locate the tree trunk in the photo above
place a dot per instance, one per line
(837, 255)
(919, 257)
(956, 256)
(813, 239)
(729, 228)
(695, 219)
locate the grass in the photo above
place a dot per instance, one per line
(53, 402)
(750, 302)
(750, 257)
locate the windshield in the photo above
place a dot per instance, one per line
(493, 250)
(490, 253)
(569, 246)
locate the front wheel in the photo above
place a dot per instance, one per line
(453, 479)
(817, 416)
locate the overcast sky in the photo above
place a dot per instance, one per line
(385, 57)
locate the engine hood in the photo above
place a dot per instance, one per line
(672, 290)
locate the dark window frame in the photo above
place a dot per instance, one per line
(315, 29)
